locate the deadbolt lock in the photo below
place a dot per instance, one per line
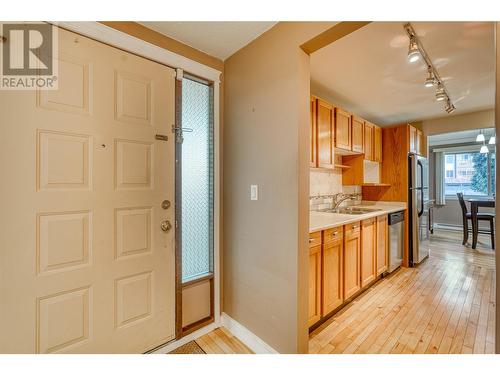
(166, 225)
(165, 204)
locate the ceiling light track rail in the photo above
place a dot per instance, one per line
(417, 50)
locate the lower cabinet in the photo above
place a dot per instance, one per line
(368, 254)
(342, 261)
(333, 278)
(352, 259)
(314, 314)
(382, 253)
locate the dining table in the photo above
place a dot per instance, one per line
(475, 203)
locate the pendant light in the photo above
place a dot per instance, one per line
(480, 137)
(449, 106)
(492, 140)
(484, 149)
(413, 51)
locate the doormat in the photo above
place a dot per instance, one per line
(190, 348)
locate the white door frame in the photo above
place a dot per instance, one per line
(126, 42)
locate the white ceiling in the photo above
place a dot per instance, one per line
(466, 136)
(219, 39)
(368, 73)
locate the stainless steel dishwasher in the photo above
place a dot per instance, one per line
(396, 238)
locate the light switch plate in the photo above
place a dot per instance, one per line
(254, 192)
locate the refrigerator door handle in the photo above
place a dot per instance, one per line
(421, 211)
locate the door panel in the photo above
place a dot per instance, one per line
(352, 264)
(382, 244)
(313, 134)
(358, 130)
(342, 129)
(332, 273)
(369, 141)
(84, 265)
(314, 314)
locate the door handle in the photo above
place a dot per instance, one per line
(166, 225)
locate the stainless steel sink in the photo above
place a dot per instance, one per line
(350, 210)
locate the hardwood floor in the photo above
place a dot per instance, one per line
(221, 341)
(446, 305)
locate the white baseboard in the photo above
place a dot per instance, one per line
(184, 340)
(247, 337)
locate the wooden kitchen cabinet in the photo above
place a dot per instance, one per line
(382, 253)
(358, 131)
(377, 144)
(343, 129)
(325, 134)
(332, 262)
(413, 139)
(369, 141)
(352, 249)
(313, 159)
(314, 314)
(420, 143)
(368, 251)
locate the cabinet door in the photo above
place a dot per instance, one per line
(358, 131)
(377, 144)
(368, 253)
(352, 248)
(369, 141)
(325, 134)
(342, 129)
(382, 258)
(313, 161)
(413, 139)
(314, 284)
(333, 248)
(420, 142)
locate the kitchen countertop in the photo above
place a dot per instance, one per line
(324, 220)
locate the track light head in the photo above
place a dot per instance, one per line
(440, 93)
(492, 140)
(430, 80)
(449, 106)
(413, 51)
(484, 149)
(480, 137)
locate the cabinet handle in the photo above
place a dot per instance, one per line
(354, 226)
(334, 234)
(311, 240)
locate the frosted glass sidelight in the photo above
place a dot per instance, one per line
(197, 179)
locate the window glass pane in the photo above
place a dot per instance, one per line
(466, 173)
(197, 180)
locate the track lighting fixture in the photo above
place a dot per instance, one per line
(440, 93)
(413, 51)
(484, 149)
(449, 106)
(430, 81)
(492, 140)
(417, 51)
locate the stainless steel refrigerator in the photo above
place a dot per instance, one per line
(418, 209)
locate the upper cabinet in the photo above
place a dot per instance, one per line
(343, 129)
(369, 141)
(377, 144)
(313, 155)
(358, 131)
(416, 141)
(413, 139)
(325, 134)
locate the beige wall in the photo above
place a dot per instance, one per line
(467, 121)
(266, 142)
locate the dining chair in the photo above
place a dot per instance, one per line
(466, 216)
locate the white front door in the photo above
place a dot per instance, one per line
(84, 264)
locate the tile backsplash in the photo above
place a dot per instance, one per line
(324, 184)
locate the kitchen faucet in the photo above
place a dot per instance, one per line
(341, 197)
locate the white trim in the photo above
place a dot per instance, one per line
(126, 42)
(247, 337)
(108, 35)
(184, 340)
